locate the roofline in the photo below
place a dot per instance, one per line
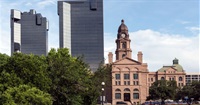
(192, 73)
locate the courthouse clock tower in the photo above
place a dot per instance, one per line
(123, 42)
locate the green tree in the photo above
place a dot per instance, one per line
(7, 79)
(70, 77)
(25, 95)
(196, 90)
(103, 74)
(162, 89)
(191, 91)
(23, 69)
(31, 69)
(3, 59)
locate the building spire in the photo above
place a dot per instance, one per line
(123, 42)
(122, 21)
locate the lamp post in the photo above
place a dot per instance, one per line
(192, 100)
(102, 84)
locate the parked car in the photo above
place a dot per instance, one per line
(121, 103)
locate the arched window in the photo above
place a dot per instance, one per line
(123, 55)
(180, 79)
(136, 90)
(135, 94)
(127, 90)
(124, 45)
(162, 78)
(117, 90)
(117, 94)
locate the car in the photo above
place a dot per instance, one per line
(121, 103)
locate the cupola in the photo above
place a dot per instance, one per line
(175, 61)
(123, 28)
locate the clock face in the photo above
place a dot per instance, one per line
(123, 35)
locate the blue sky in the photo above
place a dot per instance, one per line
(161, 29)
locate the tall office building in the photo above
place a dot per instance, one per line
(81, 29)
(29, 32)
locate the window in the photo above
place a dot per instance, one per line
(117, 90)
(180, 79)
(136, 90)
(127, 90)
(117, 83)
(124, 45)
(126, 82)
(187, 75)
(135, 76)
(117, 95)
(135, 95)
(194, 75)
(117, 76)
(172, 78)
(151, 79)
(126, 76)
(123, 55)
(135, 83)
(162, 78)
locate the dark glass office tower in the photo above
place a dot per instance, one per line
(29, 32)
(81, 29)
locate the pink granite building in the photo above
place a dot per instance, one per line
(131, 78)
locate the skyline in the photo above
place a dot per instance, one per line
(156, 28)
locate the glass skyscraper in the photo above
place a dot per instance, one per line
(29, 32)
(81, 29)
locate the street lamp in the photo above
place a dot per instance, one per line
(192, 100)
(102, 84)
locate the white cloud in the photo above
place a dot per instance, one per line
(46, 3)
(160, 49)
(4, 42)
(28, 4)
(183, 22)
(193, 28)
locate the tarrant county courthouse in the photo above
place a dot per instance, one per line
(132, 76)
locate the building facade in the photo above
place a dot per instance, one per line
(131, 78)
(29, 32)
(81, 29)
(192, 77)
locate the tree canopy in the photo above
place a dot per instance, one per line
(190, 91)
(25, 95)
(57, 79)
(162, 89)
